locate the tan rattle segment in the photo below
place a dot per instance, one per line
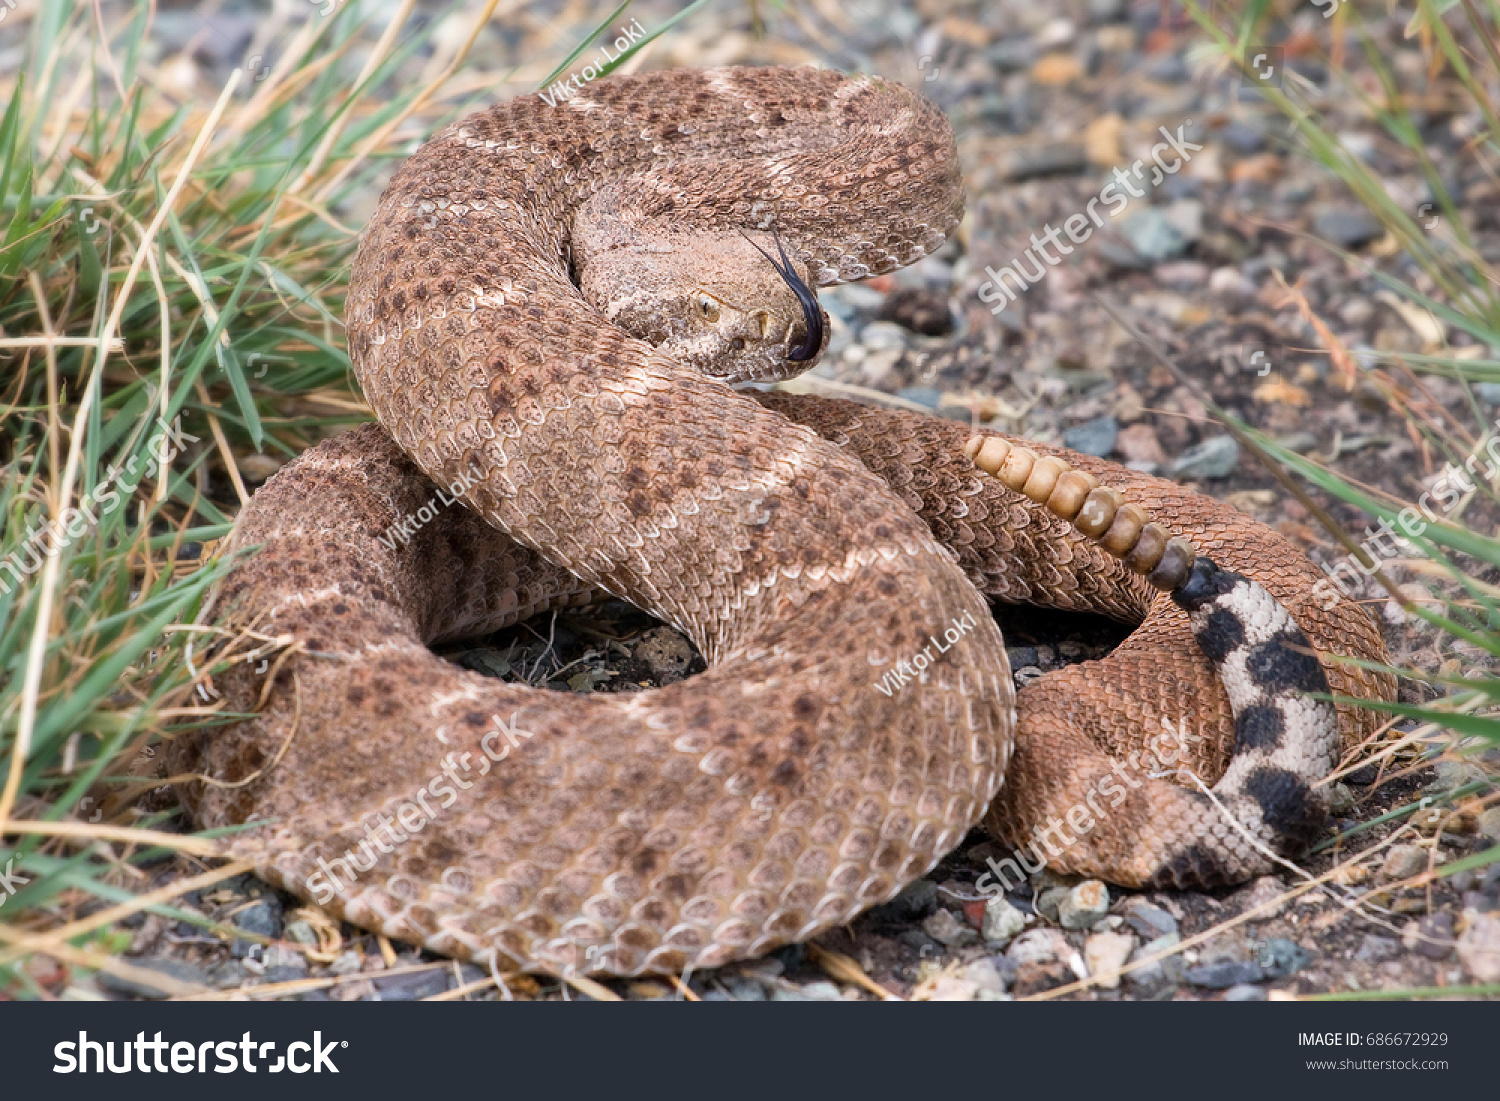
(1099, 512)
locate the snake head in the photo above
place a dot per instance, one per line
(716, 302)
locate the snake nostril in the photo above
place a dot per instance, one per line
(738, 344)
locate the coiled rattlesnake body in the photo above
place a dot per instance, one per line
(543, 312)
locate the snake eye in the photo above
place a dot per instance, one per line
(708, 309)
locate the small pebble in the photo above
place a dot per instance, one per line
(1152, 235)
(1279, 957)
(1224, 974)
(1431, 937)
(986, 976)
(1244, 992)
(1083, 905)
(1038, 946)
(1479, 947)
(262, 917)
(1230, 281)
(1348, 227)
(1489, 824)
(1162, 974)
(1096, 437)
(1404, 861)
(1215, 457)
(883, 334)
(1376, 949)
(945, 928)
(1002, 921)
(1050, 900)
(1105, 953)
(1148, 920)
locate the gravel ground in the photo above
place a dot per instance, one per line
(1047, 100)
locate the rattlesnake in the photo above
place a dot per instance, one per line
(807, 546)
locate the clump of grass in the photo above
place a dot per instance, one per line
(1448, 286)
(172, 277)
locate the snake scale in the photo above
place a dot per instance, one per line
(546, 312)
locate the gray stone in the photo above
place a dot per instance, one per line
(1152, 235)
(925, 396)
(1083, 905)
(1489, 392)
(882, 334)
(262, 917)
(1432, 937)
(1215, 457)
(1279, 957)
(858, 297)
(1452, 775)
(231, 974)
(180, 970)
(1242, 137)
(1049, 901)
(303, 933)
(1013, 55)
(1244, 992)
(1148, 920)
(1479, 947)
(1020, 656)
(1096, 437)
(285, 961)
(411, 987)
(1489, 824)
(1347, 226)
(943, 927)
(1377, 949)
(347, 963)
(1186, 216)
(1064, 158)
(1340, 798)
(1162, 974)
(1224, 974)
(1169, 69)
(1404, 861)
(1002, 921)
(745, 990)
